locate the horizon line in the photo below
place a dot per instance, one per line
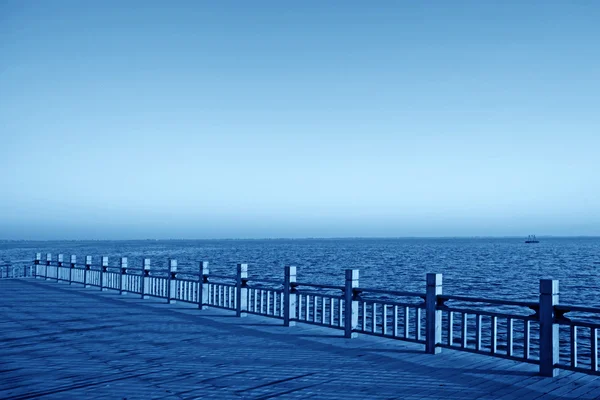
(309, 238)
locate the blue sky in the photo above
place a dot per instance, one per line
(220, 119)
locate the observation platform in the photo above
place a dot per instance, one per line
(61, 341)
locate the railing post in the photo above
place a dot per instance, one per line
(145, 277)
(103, 271)
(241, 290)
(350, 304)
(203, 285)
(172, 287)
(59, 264)
(48, 262)
(433, 316)
(73, 263)
(289, 296)
(88, 267)
(36, 263)
(549, 342)
(123, 277)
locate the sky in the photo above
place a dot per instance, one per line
(235, 119)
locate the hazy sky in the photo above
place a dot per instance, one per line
(198, 119)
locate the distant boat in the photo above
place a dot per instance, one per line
(532, 239)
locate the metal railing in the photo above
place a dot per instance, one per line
(547, 333)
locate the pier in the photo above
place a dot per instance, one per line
(101, 330)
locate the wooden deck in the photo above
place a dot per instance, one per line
(66, 342)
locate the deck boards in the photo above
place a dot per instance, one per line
(63, 342)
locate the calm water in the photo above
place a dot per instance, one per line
(498, 268)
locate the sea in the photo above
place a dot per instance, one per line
(498, 268)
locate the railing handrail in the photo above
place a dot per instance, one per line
(528, 304)
(390, 292)
(569, 308)
(318, 285)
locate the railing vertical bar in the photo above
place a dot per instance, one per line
(268, 302)
(573, 337)
(331, 311)
(418, 324)
(494, 336)
(478, 320)
(395, 320)
(406, 322)
(374, 321)
(307, 307)
(450, 328)
(526, 344)
(594, 348)
(509, 336)
(463, 336)
(384, 318)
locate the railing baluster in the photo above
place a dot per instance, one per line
(450, 328)
(374, 320)
(384, 318)
(364, 316)
(494, 336)
(594, 348)
(262, 301)
(509, 336)
(526, 333)
(406, 323)
(395, 320)
(281, 304)
(478, 321)
(418, 324)
(463, 336)
(314, 317)
(332, 311)
(573, 337)
(323, 310)
(307, 308)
